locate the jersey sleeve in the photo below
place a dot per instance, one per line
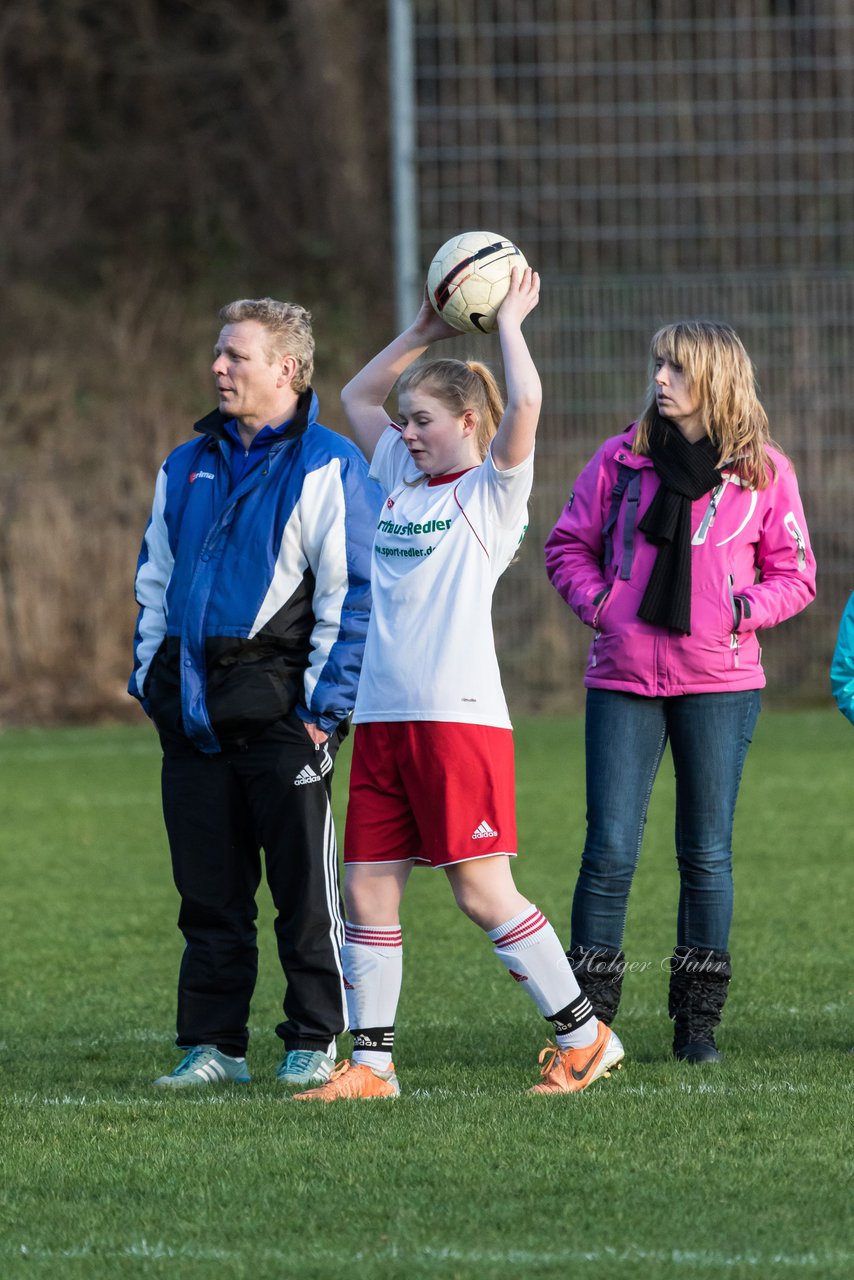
(507, 492)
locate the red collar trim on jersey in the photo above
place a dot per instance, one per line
(448, 479)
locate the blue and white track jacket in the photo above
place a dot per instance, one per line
(255, 602)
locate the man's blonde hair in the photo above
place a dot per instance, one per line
(288, 326)
(720, 373)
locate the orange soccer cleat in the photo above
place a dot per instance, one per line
(571, 1070)
(353, 1080)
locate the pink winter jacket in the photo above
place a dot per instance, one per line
(751, 567)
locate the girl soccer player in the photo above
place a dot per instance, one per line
(432, 777)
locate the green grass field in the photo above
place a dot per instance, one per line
(664, 1171)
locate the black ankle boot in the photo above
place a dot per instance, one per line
(698, 991)
(600, 975)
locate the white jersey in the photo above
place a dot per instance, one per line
(440, 547)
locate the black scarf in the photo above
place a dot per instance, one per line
(686, 472)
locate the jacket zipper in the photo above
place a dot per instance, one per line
(733, 636)
(733, 644)
(709, 518)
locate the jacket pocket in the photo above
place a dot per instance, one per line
(600, 603)
(596, 646)
(734, 607)
(744, 648)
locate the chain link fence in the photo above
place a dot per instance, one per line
(655, 163)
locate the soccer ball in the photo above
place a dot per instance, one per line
(469, 278)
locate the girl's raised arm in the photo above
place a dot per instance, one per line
(365, 395)
(517, 430)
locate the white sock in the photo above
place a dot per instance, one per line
(372, 959)
(531, 951)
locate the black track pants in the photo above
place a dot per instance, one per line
(221, 811)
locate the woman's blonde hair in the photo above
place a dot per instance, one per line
(720, 372)
(460, 385)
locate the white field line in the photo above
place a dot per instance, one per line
(165, 1035)
(202, 1096)
(197, 1095)
(115, 799)
(106, 800)
(133, 1035)
(78, 749)
(641, 1010)
(648, 1091)
(761, 1007)
(688, 1258)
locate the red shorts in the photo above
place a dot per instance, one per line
(430, 791)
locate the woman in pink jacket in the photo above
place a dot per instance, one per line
(683, 538)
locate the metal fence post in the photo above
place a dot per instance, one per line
(401, 76)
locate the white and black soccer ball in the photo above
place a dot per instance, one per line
(469, 278)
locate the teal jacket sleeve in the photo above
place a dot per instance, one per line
(842, 665)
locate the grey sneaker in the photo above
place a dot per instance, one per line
(304, 1068)
(204, 1064)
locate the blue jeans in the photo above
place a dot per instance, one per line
(625, 734)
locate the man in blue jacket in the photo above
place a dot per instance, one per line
(254, 595)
